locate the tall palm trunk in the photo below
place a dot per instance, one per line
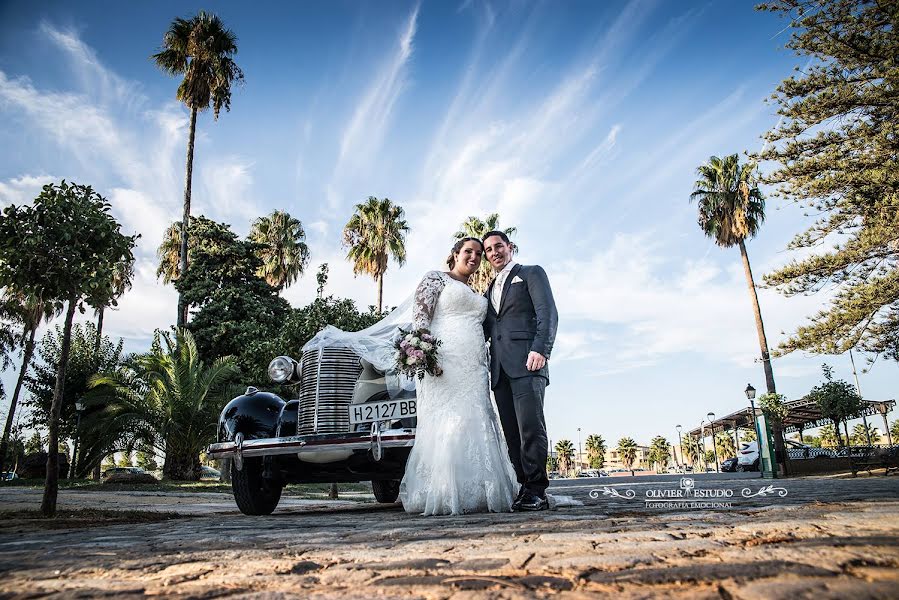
(185, 220)
(380, 291)
(51, 487)
(100, 312)
(777, 429)
(26, 360)
(760, 327)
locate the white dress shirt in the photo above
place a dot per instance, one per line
(496, 297)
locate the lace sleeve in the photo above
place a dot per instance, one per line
(426, 296)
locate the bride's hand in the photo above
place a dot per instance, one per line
(536, 361)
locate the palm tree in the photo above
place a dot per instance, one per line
(200, 48)
(659, 452)
(375, 233)
(119, 283)
(627, 452)
(29, 311)
(169, 254)
(860, 436)
(596, 451)
(724, 443)
(168, 399)
(283, 248)
(690, 449)
(564, 455)
(475, 227)
(731, 209)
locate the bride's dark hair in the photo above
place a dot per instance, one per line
(457, 247)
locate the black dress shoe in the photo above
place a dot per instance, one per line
(532, 501)
(519, 497)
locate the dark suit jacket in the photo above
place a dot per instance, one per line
(527, 321)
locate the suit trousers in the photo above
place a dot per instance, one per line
(519, 402)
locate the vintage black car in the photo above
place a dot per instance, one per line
(342, 426)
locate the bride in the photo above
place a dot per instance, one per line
(459, 463)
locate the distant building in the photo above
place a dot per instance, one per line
(613, 461)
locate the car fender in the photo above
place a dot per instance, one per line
(254, 414)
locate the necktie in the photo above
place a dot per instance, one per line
(497, 295)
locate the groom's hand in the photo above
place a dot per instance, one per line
(536, 361)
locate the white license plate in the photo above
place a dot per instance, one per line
(381, 411)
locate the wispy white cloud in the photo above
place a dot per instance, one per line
(94, 75)
(661, 308)
(364, 134)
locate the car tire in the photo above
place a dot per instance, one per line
(386, 490)
(254, 494)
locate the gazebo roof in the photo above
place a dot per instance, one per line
(801, 414)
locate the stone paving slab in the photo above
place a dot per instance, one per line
(827, 538)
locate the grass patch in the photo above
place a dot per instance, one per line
(27, 520)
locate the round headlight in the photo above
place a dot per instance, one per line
(281, 369)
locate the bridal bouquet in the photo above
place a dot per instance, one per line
(416, 353)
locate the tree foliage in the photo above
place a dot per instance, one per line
(87, 357)
(201, 49)
(627, 452)
(859, 435)
(375, 233)
(596, 451)
(64, 248)
(836, 151)
(564, 455)
(774, 409)
(659, 452)
(281, 244)
(169, 398)
(837, 400)
(690, 449)
(724, 443)
(234, 307)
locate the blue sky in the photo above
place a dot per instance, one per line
(581, 123)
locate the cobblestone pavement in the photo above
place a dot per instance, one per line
(827, 538)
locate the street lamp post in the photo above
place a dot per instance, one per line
(711, 417)
(705, 465)
(79, 408)
(750, 394)
(680, 447)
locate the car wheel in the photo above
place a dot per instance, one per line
(756, 465)
(386, 490)
(254, 494)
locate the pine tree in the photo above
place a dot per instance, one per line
(837, 151)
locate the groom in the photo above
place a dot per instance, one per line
(521, 325)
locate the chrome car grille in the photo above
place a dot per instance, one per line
(327, 379)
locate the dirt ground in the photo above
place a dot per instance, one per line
(823, 538)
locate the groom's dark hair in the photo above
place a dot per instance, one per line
(501, 234)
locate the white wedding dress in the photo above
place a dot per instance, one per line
(460, 463)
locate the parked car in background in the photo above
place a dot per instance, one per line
(127, 475)
(210, 474)
(748, 457)
(729, 465)
(591, 473)
(8, 476)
